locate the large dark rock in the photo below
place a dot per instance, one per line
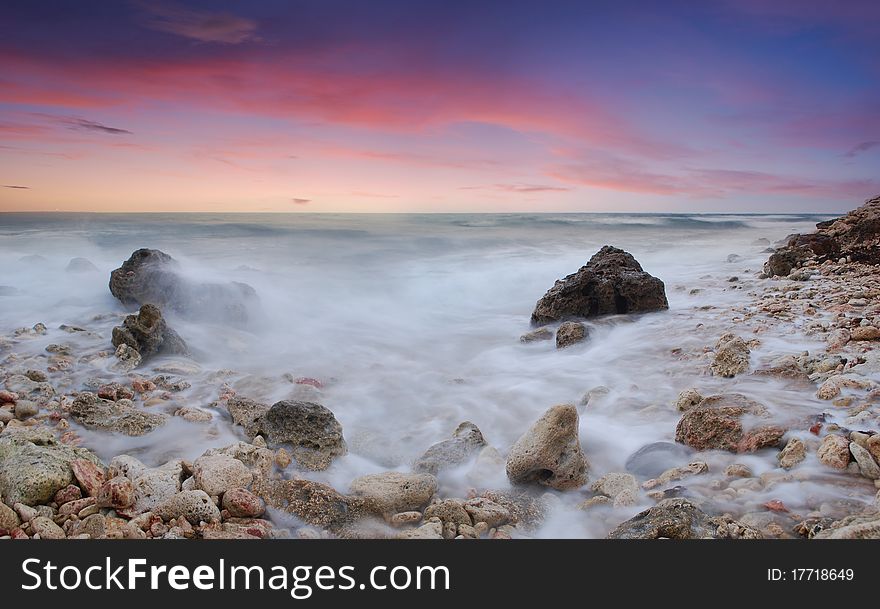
(718, 423)
(855, 235)
(612, 282)
(153, 277)
(310, 429)
(148, 333)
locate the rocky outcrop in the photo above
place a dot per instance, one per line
(855, 236)
(121, 416)
(148, 334)
(34, 467)
(612, 282)
(716, 423)
(311, 430)
(153, 277)
(678, 518)
(465, 443)
(549, 453)
(570, 333)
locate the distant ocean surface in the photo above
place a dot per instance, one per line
(413, 321)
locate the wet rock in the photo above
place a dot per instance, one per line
(449, 510)
(46, 528)
(653, 459)
(148, 333)
(311, 430)
(153, 277)
(117, 493)
(485, 510)
(25, 409)
(115, 391)
(195, 506)
(865, 333)
(215, 474)
(570, 333)
(32, 473)
(152, 486)
(89, 475)
(834, 451)
(393, 492)
(873, 446)
(312, 502)
(121, 416)
(26, 389)
(536, 335)
(193, 415)
(794, 452)
(241, 503)
(867, 464)
(429, 530)
(81, 265)
(853, 527)
(612, 282)
(127, 358)
(716, 423)
(731, 356)
(258, 459)
(403, 519)
(677, 473)
(678, 518)
(738, 470)
(465, 443)
(247, 413)
(549, 453)
(687, 399)
(8, 519)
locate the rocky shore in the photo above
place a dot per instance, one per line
(85, 386)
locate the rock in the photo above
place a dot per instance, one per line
(834, 451)
(865, 333)
(241, 503)
(485, 510)
(24, 409)
(570, 333)
(215, 474)
(612, 282)
(8, 397)
(549, 453)
(247, 413)
(195, 506)
(311, 430)
(71, 492)
(127, 358)
(678, 518)
(46, 528)
(794, 452)
(193, 415)
(653, 459)
(873, 446)
(81, 265)
(258, 458)
(152, 486)
(536, 335)
(312, 502)
(26, 389)
(867, 464)
(8, 519)
(153, 277)
(115, 391)
(117, 493)
(89, 475)
(716, 424)
(688, 399)
(403, 519)
(449, 510)
(615, 483)
(731, 356)
(429, 530)
(677, 473)
(853, 527)
(463, 446)
(95, 526)
(393, 492)
(738, 470)
(148, 334)
(32, 473)
(121, 416)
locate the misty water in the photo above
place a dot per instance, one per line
(412, 323)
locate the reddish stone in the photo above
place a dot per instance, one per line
(117, 493)
(115, 391)
(143, 385)
(775, 505)
(816, 428)
(89, 476)
(18, 534)
(241, 503)
(762, 437)
(306, 380)
(75, 507)
(69, 493)
(8, 397)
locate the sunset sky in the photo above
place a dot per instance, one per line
(279, 105)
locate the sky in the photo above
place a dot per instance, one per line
(439, 106)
